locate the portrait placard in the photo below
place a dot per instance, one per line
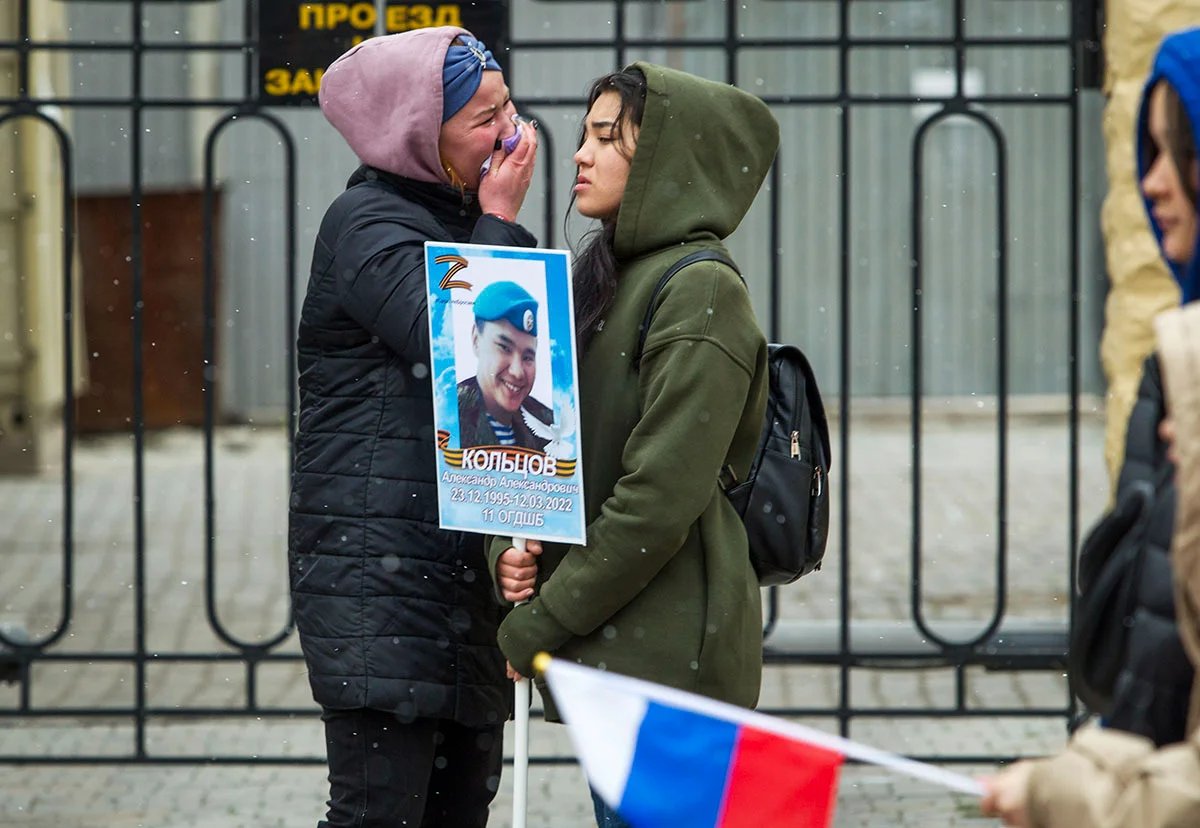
(505, 391)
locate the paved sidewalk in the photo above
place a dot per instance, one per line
(207, 797)
(959, 530)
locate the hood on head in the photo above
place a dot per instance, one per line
(1178, 63)
(385, 97)
(703, 151)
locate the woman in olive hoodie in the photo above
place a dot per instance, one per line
(663, 590)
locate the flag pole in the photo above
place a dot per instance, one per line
(523, 694)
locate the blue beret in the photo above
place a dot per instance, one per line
(462, 72)
(510, 302)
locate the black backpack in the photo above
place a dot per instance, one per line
(1110, 566)
(784, 502)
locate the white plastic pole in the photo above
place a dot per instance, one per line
(523, 694)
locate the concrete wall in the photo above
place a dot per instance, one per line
(1141, 285)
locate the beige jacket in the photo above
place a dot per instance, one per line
(1108, 779)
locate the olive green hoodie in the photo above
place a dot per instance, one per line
(664, 589)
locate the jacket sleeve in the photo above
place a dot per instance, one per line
(379, 270)
(493, 548)
(1110, 779)
(1144, 451)
(695, 377)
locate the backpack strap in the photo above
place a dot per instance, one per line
(690, 259)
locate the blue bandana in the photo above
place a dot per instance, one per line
(462, 73)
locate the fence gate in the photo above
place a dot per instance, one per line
(921, 236)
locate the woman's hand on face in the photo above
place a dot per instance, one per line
(516, 571)
(503, 189)
(1008, 794)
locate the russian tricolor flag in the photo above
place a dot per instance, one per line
(662, 757)
(691, 769)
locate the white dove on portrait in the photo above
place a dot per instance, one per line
(557, 433)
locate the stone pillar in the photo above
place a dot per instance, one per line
(1140, 284)
(32, 385)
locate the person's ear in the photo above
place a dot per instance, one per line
(475, 338)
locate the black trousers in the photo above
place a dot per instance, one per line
(431, 773)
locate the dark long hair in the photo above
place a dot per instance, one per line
(1180, 142)
(595, 267)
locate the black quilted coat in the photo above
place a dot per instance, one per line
(393, 612)
(1152, 690)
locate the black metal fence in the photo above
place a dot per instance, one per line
(845, 645)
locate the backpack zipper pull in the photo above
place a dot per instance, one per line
(816, 482)
(795, 445)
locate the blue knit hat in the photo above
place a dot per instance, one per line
(462, 72)
(510, 302)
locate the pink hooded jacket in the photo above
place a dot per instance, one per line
(385, 97)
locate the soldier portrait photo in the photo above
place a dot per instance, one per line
(495, 406)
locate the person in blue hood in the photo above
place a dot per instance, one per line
(1166, 155)
(1107, 775)
(1152, 690)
